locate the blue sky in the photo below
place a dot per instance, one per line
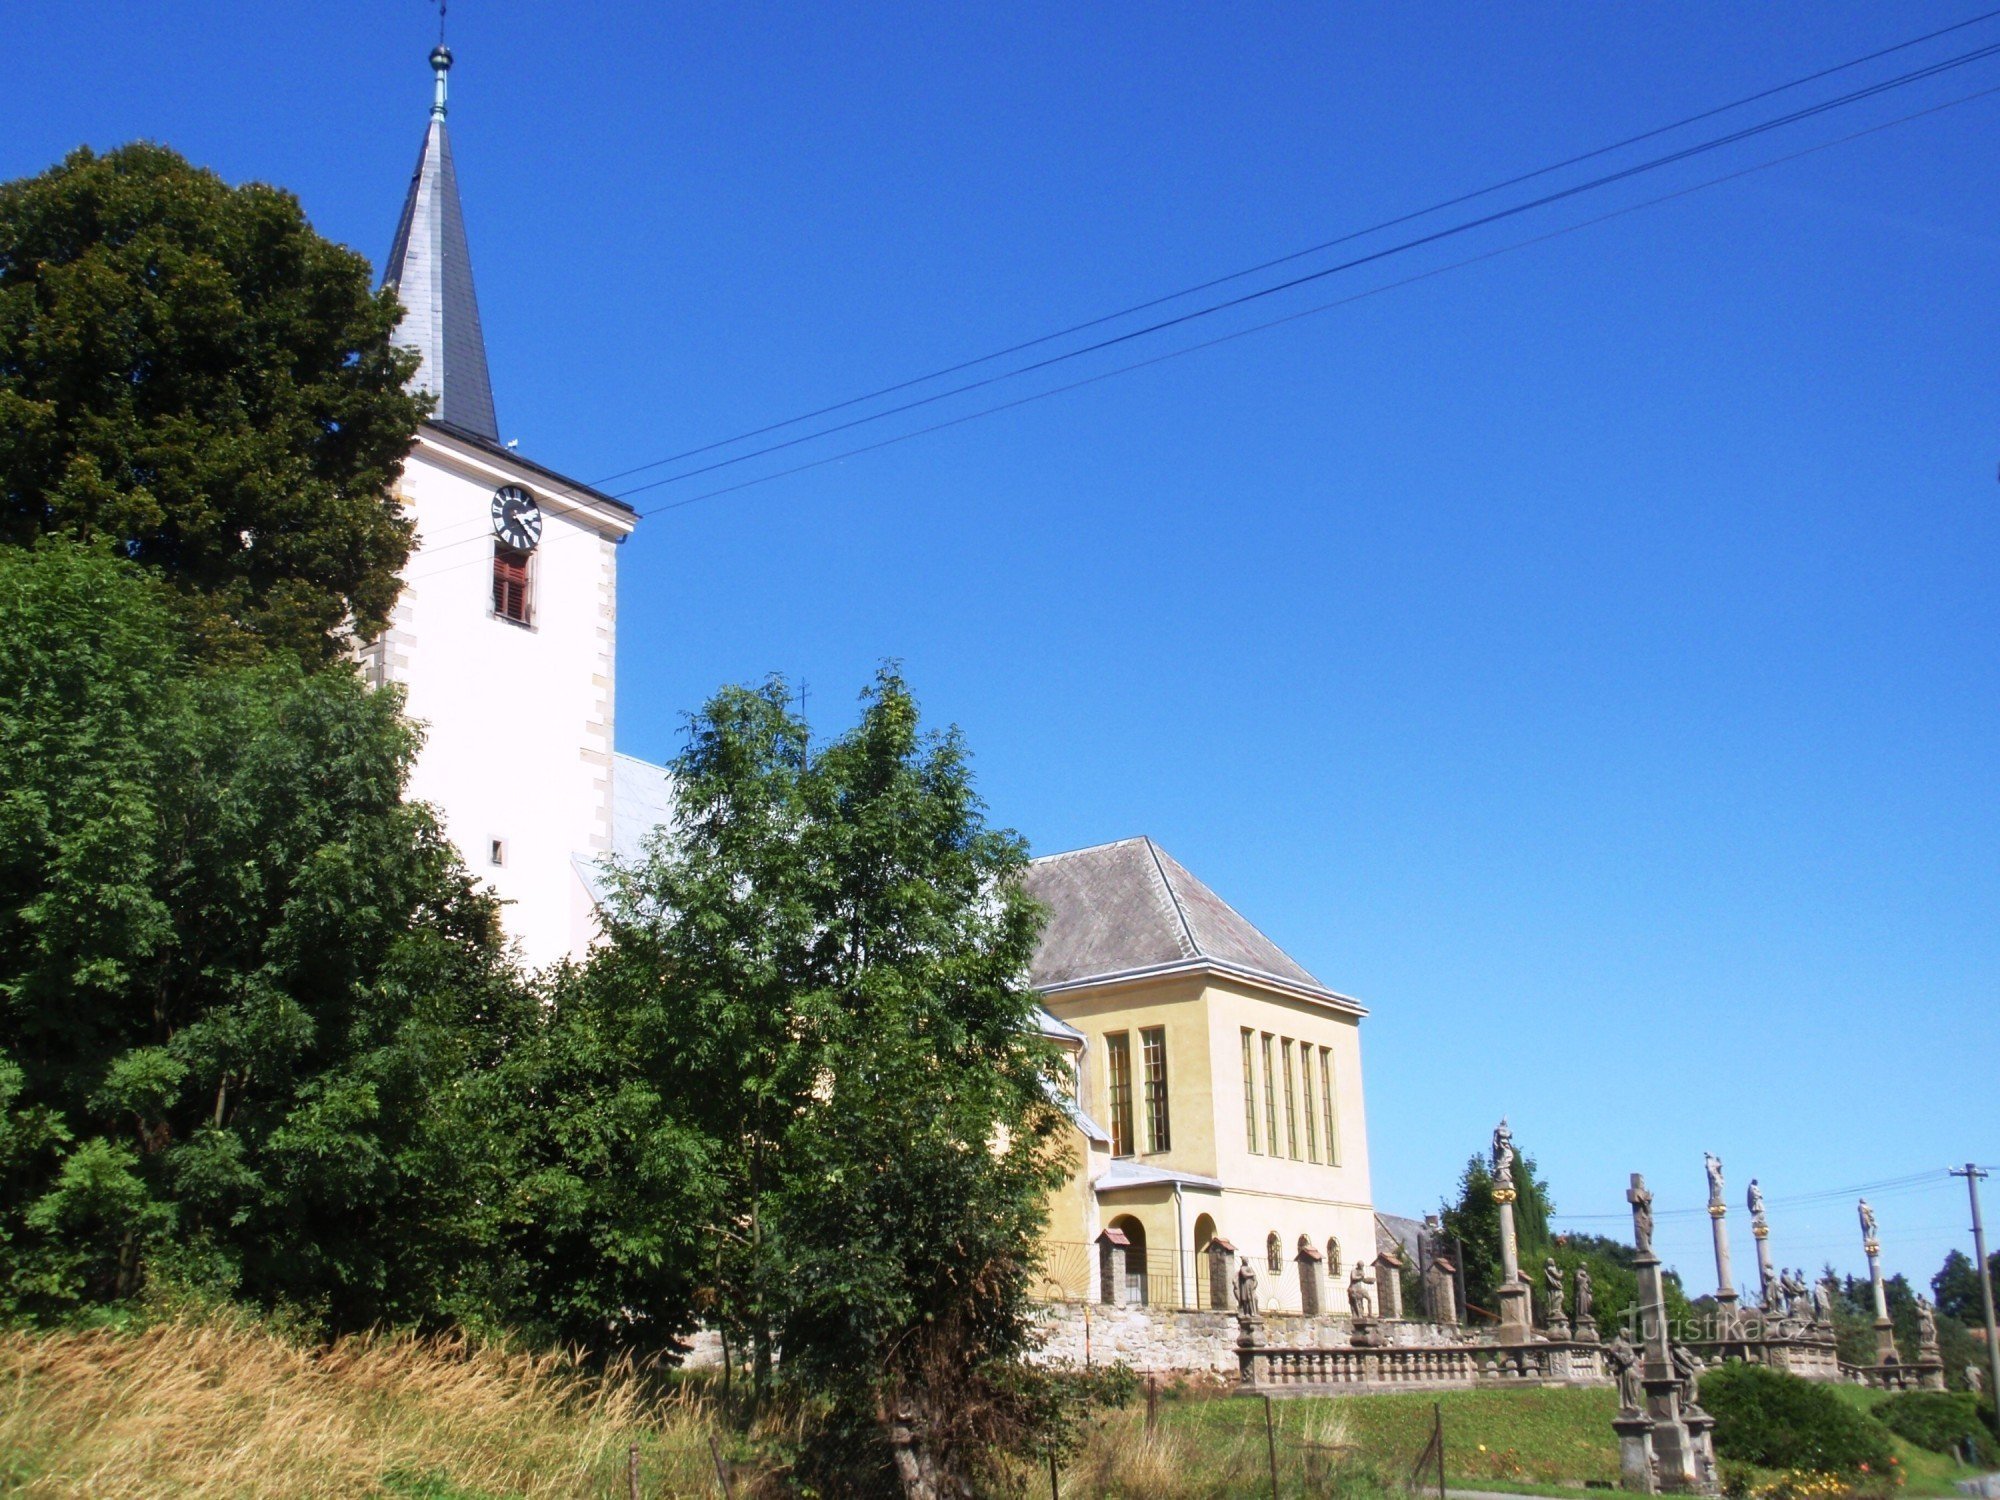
(1586, 657)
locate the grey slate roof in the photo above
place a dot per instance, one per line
(431, 269)
(1129, 907)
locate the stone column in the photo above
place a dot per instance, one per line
(1767, 1274)
(1885, 1330)
(1726, 1322)
(1673, 1449)
(1517, 1322)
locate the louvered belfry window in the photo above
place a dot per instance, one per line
(510, 583)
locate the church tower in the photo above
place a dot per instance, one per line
(504, 638)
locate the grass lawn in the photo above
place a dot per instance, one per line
(1529, 1440)
(1925, 1473)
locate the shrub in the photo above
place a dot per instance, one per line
(1779, 1421)
(1942, 1421)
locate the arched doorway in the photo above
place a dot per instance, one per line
(1135, 1258)
(1211, 1272)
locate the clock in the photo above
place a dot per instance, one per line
(517, 520)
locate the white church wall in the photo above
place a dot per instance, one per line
(518, 719)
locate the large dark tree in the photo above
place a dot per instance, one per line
(189, 373)
(251, 1005)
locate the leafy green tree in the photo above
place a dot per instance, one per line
(820, 967)
(1474, 1222)
(189, 373)
(247, 993)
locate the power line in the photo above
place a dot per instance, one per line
(1241, 333)
(1324, 245)
(1402, 247)
(1887, 1187)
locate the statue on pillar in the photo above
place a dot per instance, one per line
(1756, 1200)
(1867, 1221)
(1688, 1370)
(1628, 1367)
(1713, 1164)
(1503, 1152)
(1361, 1290)
(1246, 1290)
(1642, 1214)
(1926, 1325)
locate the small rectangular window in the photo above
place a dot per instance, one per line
(1270, 1093)
(510, 584)
(1249, 1091)
(1118, 1058)
(1326, 1102)
(1153, 1058)
(1291, 1109)
(499, 852)
(1306, 1088)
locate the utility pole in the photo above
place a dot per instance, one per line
(1972, 1174)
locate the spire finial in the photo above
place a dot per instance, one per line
(441, 65)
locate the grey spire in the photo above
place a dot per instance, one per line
(431, 270)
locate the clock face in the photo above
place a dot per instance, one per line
(517, 520)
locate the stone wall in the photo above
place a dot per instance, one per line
(1158, 1340)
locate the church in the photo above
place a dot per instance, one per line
(1216, 1091)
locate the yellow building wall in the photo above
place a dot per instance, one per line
(1262, 1194)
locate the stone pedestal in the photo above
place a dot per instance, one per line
(1701, 1443)
(1635, 1454)
(1366, 1333)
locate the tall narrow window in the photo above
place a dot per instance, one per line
(510, 583)
(1306, 1088)
(1270, 1094)
(1118, 1056)
(1326, 1105)
(1249, 1092)
(1153, 1059)
(1291, 1106)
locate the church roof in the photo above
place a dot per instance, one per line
(430, 268)
(1129, 909)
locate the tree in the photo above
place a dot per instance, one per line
(1474, 1222)
(192, 375)
(249, 997)
(820, 972)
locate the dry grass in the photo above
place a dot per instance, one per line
(212, 1408)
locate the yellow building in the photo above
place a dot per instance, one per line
(1218, 1090)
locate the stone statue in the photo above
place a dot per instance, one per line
(1688, 1368)
(1805, 1296)
(1822, 1304)
(1626, 1365)
(1583, 1294)
(1714, 1165)
(1246, 1290)
(1926, 1323)
(1552, 1288)
(1867, 1220)
(1975, 1379)
(1756, 1200)
(1503, 1151)
(1361, 1291)
(1642, 1214)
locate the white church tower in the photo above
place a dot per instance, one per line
(505, 634)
